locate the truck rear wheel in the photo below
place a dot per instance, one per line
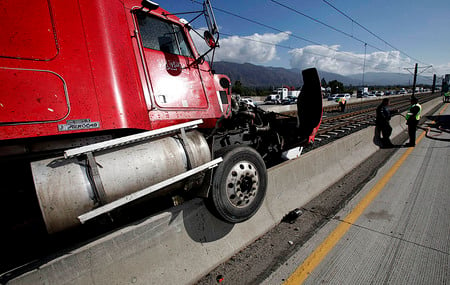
(239, 185)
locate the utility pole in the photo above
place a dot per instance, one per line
(415, 78)
(364, 65)
(415, 75)
(434, 84)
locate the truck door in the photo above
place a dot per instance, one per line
(174, 76)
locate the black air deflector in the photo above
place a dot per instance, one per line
(309, 102)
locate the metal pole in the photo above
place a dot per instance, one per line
(364, 65)
(414, 82)
(434, 84)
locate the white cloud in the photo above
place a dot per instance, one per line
(253, 49)
(442, 69)
(329, 58)
(261, 48)
(256, 49)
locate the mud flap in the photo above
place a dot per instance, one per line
(309, 105)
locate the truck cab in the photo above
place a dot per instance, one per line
(177, 76)
(93, 66)
(106, 102)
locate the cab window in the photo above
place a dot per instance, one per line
(161, 35)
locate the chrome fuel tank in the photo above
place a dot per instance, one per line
(65, 186)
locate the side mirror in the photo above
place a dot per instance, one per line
(209, 39)
(210, 19)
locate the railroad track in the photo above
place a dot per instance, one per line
(358, 116)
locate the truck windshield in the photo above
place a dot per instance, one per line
(163, 36)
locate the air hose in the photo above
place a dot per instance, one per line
(428, 130)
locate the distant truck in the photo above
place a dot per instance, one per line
(294, 93)
(272, 99)
(280, 94)
(361, 91)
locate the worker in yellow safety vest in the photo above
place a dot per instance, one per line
(412, 120)
(341, 101)
(447, 96)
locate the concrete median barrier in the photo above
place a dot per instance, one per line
(181, 245)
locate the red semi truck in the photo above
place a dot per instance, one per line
(106, 102)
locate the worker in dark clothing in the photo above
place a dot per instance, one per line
(342, 103)
(382, 122)
(412, 120)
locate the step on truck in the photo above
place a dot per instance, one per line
(107, 102)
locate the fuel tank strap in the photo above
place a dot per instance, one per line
(98, 189)
(182, 140)
(136, 195)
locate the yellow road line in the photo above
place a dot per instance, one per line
(443, 109)
(314, 259)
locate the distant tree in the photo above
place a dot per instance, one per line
(336, 86)
(263, 92)
(237, 88)
(323, 82)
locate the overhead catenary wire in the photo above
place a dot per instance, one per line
(345, 33)
(247, 38)
(277, 30)
(375, 35)
(301, 38)
(370, 32)
(327, 25)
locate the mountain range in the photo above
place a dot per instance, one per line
(262, 76)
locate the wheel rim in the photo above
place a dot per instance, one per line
(242, 184)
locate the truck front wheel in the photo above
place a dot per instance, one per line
(239, 185)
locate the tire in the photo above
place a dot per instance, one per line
(239, 185)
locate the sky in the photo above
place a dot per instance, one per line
(395, 34)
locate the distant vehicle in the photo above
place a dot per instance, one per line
(273, 99)
(402, 92)
(379, 93)
(284, 92)
(361, 91)
(294, 93)
(289, 100)
(279, 94)
(248, 102)
(332, 97)
(343, 95)
(371, 95)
